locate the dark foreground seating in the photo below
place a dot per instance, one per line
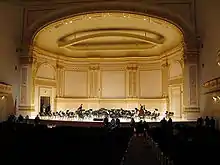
(27, 143)
(188, 145)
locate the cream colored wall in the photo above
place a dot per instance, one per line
(10, 39)
(176, 88)
(112, 85)
(208, 25)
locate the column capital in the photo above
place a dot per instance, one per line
(58, 66)
(165, 65)
(132, 67)
(191, 56)
(27, 60)
(94, 67)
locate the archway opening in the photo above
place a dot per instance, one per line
(109, 60)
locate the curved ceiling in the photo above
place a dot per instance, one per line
(109, 35)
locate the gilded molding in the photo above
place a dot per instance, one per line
(45, 82)
(5, 88)
(213, 85)
(27, 60)
(176, 81)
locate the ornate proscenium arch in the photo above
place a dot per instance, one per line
(189, 46)
(190, 40)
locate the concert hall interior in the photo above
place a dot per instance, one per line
(114, 82)
(107, 55)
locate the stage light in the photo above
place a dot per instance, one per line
(3, 97)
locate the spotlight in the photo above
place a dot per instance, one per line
(3, 97)
(71, 21)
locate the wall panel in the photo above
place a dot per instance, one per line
(150, 83)
(113, 84)
(76, 84)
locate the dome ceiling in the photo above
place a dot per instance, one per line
(109, 35)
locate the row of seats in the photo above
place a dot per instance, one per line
(27, 142)
(182, 144)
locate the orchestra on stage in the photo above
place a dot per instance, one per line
(99, 114)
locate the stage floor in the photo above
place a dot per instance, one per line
(123, 120)
(90, 122)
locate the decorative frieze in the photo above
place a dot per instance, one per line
(5, 88)
(212, 85)
(27, 60)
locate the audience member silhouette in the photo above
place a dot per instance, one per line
(200, 122)
(207, 122)
(106, 123)
(20, 118)
(212, 123)
(118, 122)
(132, 123)
(37, 120)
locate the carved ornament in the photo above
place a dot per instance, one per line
(5, 88)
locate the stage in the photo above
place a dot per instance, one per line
(94, 122)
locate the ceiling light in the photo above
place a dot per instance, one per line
(145, 19)
(3, 97)
(71, 21)
(90, 17)
(66, 23)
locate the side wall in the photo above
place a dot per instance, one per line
(208, 25)
(11, 25)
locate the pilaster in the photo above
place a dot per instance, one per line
(27, 83)
(132, 81)
(94, 80)
(191, 85)
(165, 77)
(60, 80)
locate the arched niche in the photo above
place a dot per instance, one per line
(46, 71)
(175, 70)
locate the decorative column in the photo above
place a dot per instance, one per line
(191, 85)
(27, 84)
(60, 80)
(165, 77)
(132, 81)
(94, 81)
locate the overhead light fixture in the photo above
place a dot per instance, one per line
(3, 97)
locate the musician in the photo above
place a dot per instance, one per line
(80, 107)
(141, 111)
